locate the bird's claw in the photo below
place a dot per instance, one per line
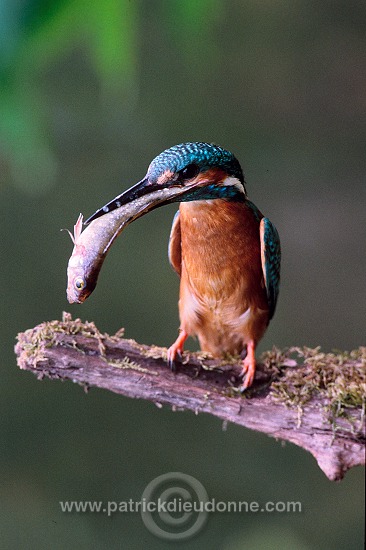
(172, 356)
(244, 386)
(176, 349)
(247, 373)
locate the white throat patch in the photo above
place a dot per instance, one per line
(230, 180)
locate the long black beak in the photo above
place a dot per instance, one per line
(160, 194)
(135, 192)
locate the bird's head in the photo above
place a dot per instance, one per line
(189, 171)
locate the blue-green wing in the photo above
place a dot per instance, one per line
(175, 250)
(271, 261)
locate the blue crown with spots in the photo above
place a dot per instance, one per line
(205, 155)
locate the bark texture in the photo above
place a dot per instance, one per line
(312, 399)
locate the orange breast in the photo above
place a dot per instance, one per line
(222, 295)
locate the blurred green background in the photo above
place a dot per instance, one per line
(90, 92)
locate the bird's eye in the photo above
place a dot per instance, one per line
(79, 283)
(189, 171)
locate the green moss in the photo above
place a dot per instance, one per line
(337, 380)
(126, 363)
(154, 352)
(45, 336)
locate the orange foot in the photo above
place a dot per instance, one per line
(176, 348)
(249, 365)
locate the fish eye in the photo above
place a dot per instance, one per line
(189, 172)
(79, 283)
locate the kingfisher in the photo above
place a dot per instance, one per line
(226, 253)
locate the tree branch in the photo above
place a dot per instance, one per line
(312, 399)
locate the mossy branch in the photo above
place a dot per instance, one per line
(313, 399)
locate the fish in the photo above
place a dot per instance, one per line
(92, 244)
